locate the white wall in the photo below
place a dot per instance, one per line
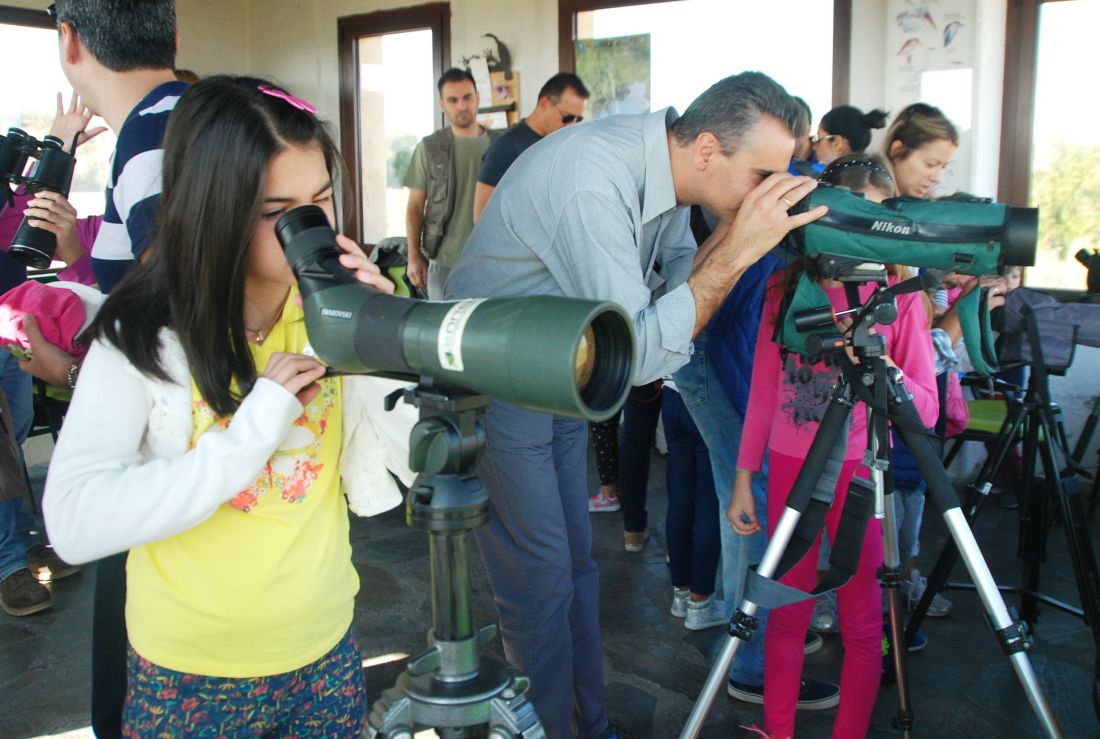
(213, 33)
(869, 85)
(295, 41)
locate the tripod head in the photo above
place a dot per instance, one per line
(819, 323)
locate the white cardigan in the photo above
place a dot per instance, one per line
(122, 474)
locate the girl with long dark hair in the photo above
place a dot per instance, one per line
(203, 437)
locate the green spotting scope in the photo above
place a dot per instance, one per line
(964, 234)
(552, 354)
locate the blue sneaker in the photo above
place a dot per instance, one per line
(614, 732)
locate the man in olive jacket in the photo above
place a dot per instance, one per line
(441, 179)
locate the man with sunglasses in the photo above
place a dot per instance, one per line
(561, 103)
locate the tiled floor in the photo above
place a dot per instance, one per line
(961, 685)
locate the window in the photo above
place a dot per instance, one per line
(1065, 155)
(28, 42)
(389, 64)
(1049, 155)
(674, 56)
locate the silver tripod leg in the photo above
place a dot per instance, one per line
(768, 565)
(995, 606)
(891, 569)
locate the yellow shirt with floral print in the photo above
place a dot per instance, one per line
(266, 584)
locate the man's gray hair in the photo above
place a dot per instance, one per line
(730, 109)
(124, 35)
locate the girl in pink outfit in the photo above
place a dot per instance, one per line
(787, 400)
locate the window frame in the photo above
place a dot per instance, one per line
(842, 36)
(28, 17)
(437, 17)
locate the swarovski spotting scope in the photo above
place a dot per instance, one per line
(553, 354)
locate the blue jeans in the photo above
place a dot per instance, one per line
(691, 527)
(537, 548)
(15, 525)
(720, 425)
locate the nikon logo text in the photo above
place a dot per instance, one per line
(891, 228)
(332, 313)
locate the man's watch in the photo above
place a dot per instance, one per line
(70, 378)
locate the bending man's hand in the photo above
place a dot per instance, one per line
(762, 220)
(48, 363)
(761, 223)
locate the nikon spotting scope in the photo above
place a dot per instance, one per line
(972, 236)
(553, 354)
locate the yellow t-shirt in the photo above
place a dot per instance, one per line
(266, 584)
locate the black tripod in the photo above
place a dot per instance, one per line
(450, 687)
(1037, 420)
(870, 382)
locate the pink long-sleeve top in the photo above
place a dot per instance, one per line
(788, 398)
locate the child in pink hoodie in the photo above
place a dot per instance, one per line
(787, 400)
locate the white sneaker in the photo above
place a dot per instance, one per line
(825, 619)
(705, 615)
(680, 600)
(940, 606)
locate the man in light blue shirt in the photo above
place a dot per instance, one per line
(599, 211)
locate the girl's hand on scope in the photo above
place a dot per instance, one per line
(297, 373)
(365, 270)
(742, 508)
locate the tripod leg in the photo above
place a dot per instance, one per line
(1081, 553)
(942, 495)
(831, 434)
(1002, 622)
(741, 626)
(976, 495)
(891, 580)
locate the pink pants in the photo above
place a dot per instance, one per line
(860, 606)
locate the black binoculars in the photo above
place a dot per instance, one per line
(52, 171)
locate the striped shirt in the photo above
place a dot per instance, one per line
(134, 186)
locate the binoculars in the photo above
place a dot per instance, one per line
(52, 171)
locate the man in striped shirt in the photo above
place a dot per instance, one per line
(119, 56)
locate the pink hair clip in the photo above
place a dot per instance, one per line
(284, 95)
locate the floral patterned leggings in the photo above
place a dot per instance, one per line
(323, 699)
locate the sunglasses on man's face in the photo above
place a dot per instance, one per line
(567, 118)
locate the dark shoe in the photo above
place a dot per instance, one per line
(817, 695)
(614, 732)
(920, 641)
(813, 643)
(813, 695)
(47, 566)
(22, 595)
